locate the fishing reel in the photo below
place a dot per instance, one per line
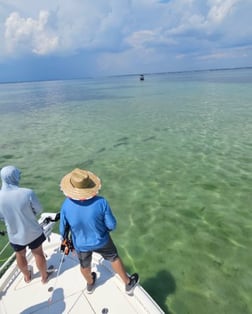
(66, 246)
(47, 222)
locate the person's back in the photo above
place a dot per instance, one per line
(90, 221)
(16, 208)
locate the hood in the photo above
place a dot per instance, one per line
(10, 175)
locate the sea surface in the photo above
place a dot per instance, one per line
(174, 153)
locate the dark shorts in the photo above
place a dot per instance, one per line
(33, 245)
(108, 252)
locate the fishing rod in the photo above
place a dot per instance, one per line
(49, 219)
(67, 243)
(46, 222)
(52, 289)
(3, 249)
(65, 247)
(3, 233)
(43, 223)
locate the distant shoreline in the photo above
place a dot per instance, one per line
(132, 74)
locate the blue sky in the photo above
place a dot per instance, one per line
(63, 39)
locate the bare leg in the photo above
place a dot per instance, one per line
(40, 262)
(86, 272)
(22, 264)
(120, 270)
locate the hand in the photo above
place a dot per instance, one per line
(66, 246)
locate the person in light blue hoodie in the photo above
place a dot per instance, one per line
(18, 208)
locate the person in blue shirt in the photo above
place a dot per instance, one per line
(18, 208)
(91, 220)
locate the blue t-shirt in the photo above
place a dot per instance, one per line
(90, 222)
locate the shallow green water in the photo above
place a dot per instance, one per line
(174, 156)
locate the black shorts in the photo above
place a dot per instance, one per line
(33, 245)
(108, 252)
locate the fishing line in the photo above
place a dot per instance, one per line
(4, 248)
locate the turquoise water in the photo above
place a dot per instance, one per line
(174, 156)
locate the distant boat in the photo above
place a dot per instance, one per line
(141, 77)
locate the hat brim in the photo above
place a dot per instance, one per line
(80, 194)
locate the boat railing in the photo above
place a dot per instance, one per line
(5, 265)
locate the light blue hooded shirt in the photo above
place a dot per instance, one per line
(18, 208)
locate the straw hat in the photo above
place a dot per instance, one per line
(80, 184)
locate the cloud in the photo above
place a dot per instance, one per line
(231, 53)
(220, 10)
(118, 35)
(117, 25)
(147, 39)
(68, 27)
(29, 35)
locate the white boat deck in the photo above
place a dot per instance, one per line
(69, 289)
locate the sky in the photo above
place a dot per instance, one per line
(65, 39)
